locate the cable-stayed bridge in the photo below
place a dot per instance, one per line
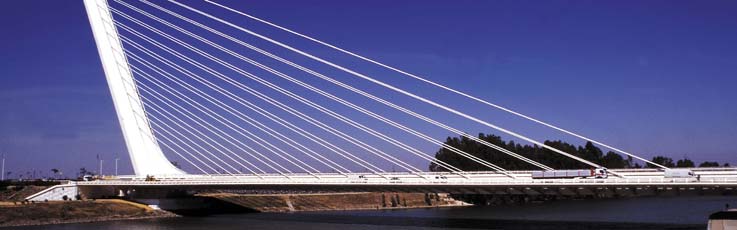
(207, 99)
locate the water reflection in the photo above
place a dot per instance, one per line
(640, 213)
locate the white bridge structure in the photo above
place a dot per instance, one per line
(203, 85)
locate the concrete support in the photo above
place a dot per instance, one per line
(146, 156)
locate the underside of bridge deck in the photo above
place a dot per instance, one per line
(147, 191)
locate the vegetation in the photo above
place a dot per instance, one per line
(84, 172)
(547, 157)
(709, 164)
(73, 212)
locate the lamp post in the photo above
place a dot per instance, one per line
(100, 160)
(2, 176)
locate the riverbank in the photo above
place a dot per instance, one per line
(662, 213)
(405, 219)
(336, 201)
(18, 191)
(20, 213)
(62, 212)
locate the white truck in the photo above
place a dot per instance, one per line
(572, 173)
(678, 173)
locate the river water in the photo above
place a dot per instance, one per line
(633, 213)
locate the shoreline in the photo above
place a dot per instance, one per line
(68, 212)
(103, 210)
(158, 215)
(334, 216)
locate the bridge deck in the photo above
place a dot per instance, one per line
(635, 182)
(725, 176)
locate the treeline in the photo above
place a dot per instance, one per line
(545, 156)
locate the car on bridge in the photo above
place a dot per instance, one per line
(678, 173)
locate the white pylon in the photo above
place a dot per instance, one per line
(145, 153)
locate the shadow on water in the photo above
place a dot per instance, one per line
(641, 213)
(263, 221)
(467, 223)
(207, 206)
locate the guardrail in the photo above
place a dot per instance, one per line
(491, 182)
(414, 174)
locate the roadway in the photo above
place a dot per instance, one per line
(629, 176)
(632, 182)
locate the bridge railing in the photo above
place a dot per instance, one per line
(306, 181)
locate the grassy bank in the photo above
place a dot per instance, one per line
(17, 214)
(19, 190)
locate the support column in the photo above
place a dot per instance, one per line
(145, 153)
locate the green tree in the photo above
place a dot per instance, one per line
(591, 152)
(661, 160)
(685, 163)
(613, 160)
(533, 152)
(539, 154)
(83, 172)
(708, 164)
(629, 163)
(55, 172)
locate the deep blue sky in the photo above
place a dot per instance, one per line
(652, 77)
